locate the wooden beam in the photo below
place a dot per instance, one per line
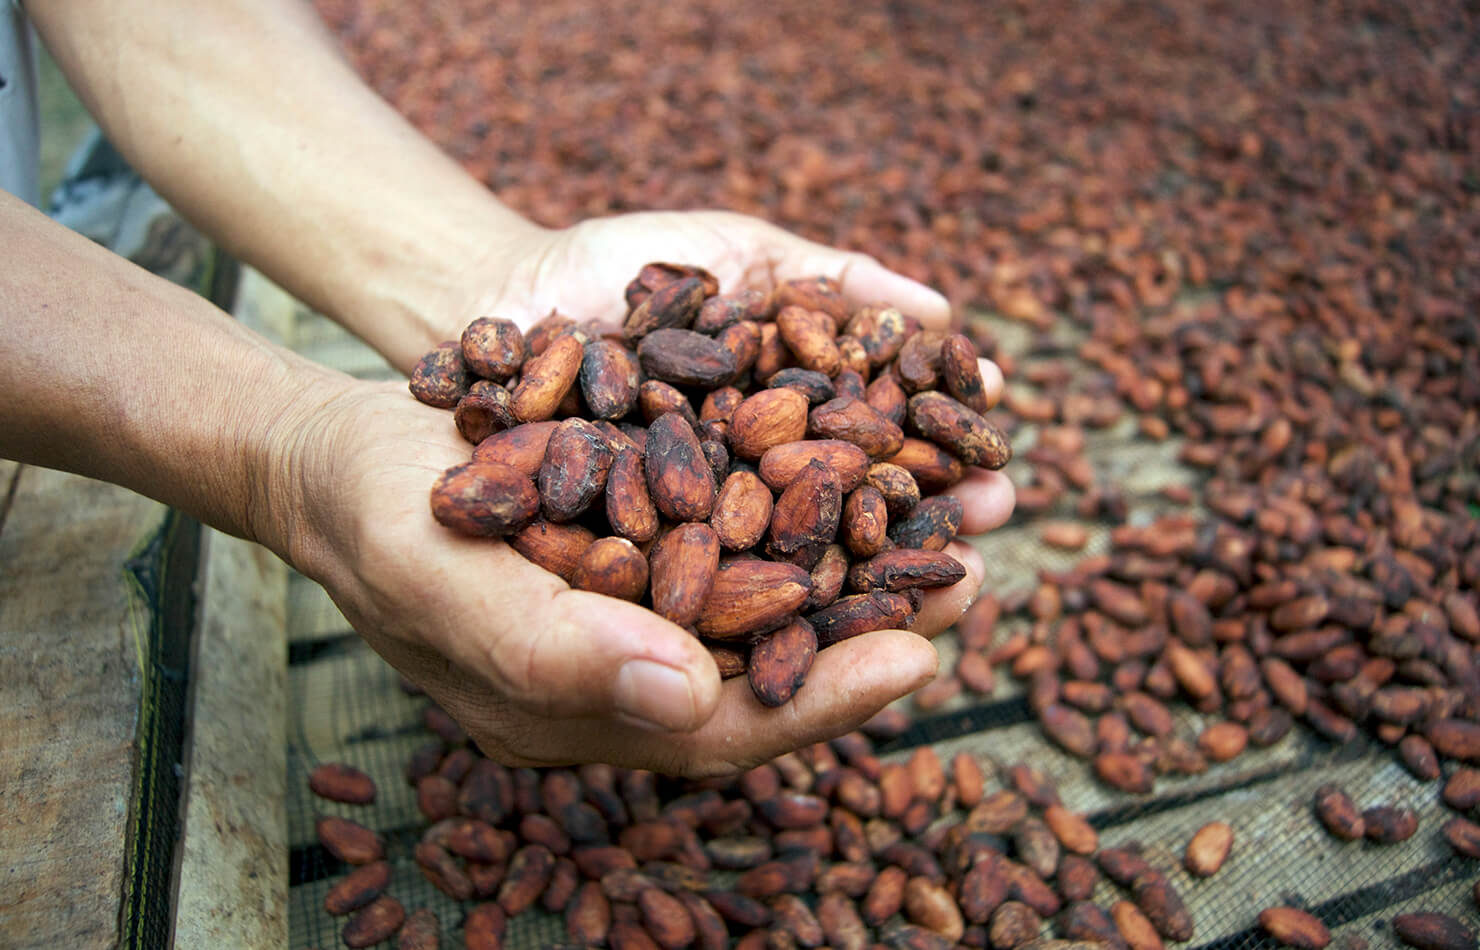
(70, 633)
(233, 878)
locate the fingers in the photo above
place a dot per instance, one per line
(572, 685)
(945, 605)
(848, 683)
(554, 652)
(582, 654)
(986, 499)
(863, 280)
(991, 381)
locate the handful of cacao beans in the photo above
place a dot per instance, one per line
(764, 469)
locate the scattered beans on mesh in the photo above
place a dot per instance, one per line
(830, 844)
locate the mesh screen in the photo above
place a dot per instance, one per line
(1110, 136)
(349, 707)
(162, 571)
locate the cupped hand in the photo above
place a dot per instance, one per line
(541, 674)
(582, 270)
(538, 673)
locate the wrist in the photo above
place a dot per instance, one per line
(505, 264)
(422, 280)
(274, 443)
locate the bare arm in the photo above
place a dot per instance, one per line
(244, 116)
(110, 372)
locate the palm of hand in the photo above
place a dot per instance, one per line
(526, 664)
(582, 271)
(453, 614)
(542, 674)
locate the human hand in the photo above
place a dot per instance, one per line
(538, 673)
(583, 270)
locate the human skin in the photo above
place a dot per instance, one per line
(115, 374)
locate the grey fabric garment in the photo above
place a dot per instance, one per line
(103, 198)
(100, 196)
(20, 162)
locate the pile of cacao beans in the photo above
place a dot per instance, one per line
(1283, 286)
(1258, 223)
(908, 853)
(1329, 578)
(1037, 159)
(735, 461)
(1184, 610)
(828, 846)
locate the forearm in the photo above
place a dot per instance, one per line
(110, 372)
(244, 116)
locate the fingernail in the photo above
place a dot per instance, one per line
(655, 696)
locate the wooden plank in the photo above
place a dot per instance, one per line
(234, 855)
(69, 705)
(9, 475)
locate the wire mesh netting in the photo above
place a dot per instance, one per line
(351, 704)
(161, 572)
(349, 707)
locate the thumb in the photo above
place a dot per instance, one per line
(864, 280)
(578, 654)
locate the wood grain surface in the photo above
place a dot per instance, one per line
(69, 704)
